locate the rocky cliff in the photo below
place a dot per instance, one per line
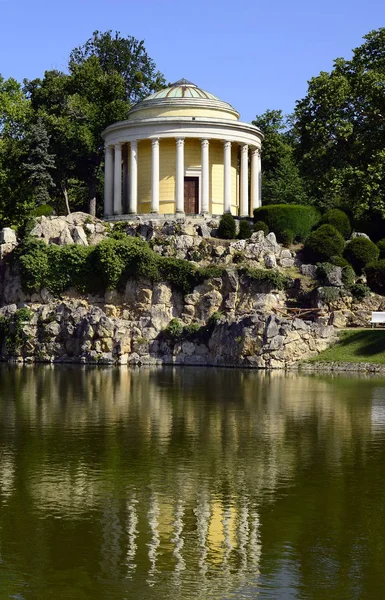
(229, 320)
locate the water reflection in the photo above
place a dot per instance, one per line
(190, 483)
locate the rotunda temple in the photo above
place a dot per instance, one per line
(182, 151)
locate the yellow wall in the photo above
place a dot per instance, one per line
(181, 112)
(192, 160)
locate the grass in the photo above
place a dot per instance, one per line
(365, 345)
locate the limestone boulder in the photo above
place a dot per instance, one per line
(8, 236)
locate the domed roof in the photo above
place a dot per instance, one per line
(182, 89)
(183, 95)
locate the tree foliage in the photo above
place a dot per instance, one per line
(339, 129)
(51, 150)
(281, 180)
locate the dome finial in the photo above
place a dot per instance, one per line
(183, 82)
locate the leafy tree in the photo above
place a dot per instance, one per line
(106, 75)
(15, 195)
(281, 181)
(339, 128)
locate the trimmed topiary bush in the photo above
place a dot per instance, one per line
(381, 247)
(226, 229)
(338, 219)
(261, 226)
(245, 230)
(286, 238)
(375, 275)
(323, 244)
(360, 252)
(294, 217)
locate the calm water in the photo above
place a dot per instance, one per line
(190, 483)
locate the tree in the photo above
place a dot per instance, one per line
(339, 128)
(106, 75)
(15, 196)
(40, 163)
(281, 181)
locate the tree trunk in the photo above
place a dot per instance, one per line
(65, 194)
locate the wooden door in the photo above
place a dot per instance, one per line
(191, 195)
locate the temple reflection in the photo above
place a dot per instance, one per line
(175, 469)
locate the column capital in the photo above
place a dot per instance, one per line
(155, 142)
(108, 147)
(204, 143)
(134, 144)
(180, 141)
(118, 145)
(244, 149)
(256, 151)
(226, 144)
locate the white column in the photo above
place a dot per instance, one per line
(259, 173)
(125, 178)
(155, 177)
(179, 176)
(133, 204)
(254, 180)
(118, 180)
(108, 181)
(227, 177)
(205, 177)
(244, 204)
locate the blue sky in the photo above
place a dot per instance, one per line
(254, 54)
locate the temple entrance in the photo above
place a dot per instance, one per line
(191, 195)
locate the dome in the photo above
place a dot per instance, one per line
(183, 98)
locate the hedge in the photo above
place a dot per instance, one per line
(360, 252)
(296, 218)
(324, 244)
(338, 219)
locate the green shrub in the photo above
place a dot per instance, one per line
(294, 217)
(179, 273)
(261, 226)
(324, 243)
(245, 230)
(330, 294)
(192, 328)
(381, 247)
(44, 210)
(175, 328)
(286, 238)
(348, 276)
(273, 279)
(359, 291)
(360, 252)
(108, 265)
(339, 261)
(227, 229)
(375, 275)
(210, 272)
(338, 219)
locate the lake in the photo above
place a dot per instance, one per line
(187, 483)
